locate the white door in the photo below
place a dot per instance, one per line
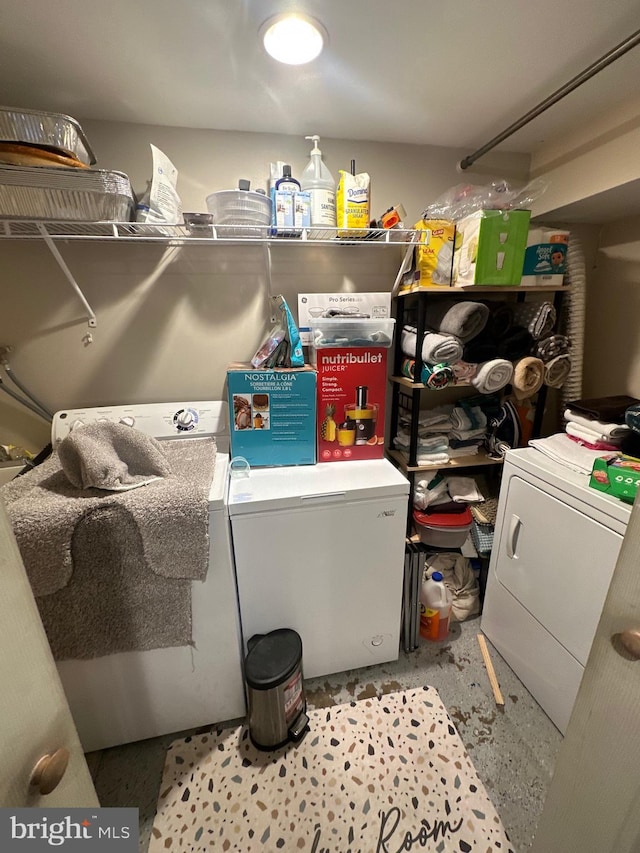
(34, 716)
(593, 804)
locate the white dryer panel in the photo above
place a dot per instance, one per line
(557, 562)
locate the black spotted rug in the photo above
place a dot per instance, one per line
(380, 775)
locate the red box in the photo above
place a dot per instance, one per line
(351, 389)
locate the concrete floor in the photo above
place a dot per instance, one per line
(513, 747)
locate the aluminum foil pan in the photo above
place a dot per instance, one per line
(90, 195)
(52, 130)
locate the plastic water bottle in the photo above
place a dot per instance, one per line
(435, 608)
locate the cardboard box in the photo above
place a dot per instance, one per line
(313, 306)
(273, 414)
(492, 247)
(545, 256)
(352, 384)
(433, 256)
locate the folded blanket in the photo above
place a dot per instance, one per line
(465, 320)
(567, 453)
(609, 409)
(123, 561)
(551, 346)
(556, 370)
(518, 343)
(492, 376)
(106, 455)
(528, 375)
(435, 347)
(601, 428)
(538, 318)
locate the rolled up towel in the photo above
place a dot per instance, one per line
(538, 318)
(518, 343)
(463, 371)
(492, 376)
(436, 348)
(112, 457)
(437, 375)
(528, 376)
(552, 346)
(481, 348)
(464, 320)
(557, 370)
(500, 319)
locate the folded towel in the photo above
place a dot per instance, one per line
(609, 409)
(466, 417)
(105, 455)
(429, 491)
(500, 319)
(482, 348)
(463, 371)
(465, 320)
(567, 453)
(551, 346)
(403, 439)
(518, 343)
(601, 428)
(591, 436)
(122, 562)
(463, 489)
(556, 370)
(595, 445)
(435, 347)
(492, 376)
(455, 452)
(528, 375)
(538, 317)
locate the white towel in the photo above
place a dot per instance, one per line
(463, 489)
(469, 450)
(492, 376)
(589, 436)
(563, 450)
(600, 428)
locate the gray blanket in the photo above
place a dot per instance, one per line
(463, 320)
(112, 571)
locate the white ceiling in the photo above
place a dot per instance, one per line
(452, 73)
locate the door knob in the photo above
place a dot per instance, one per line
(48, 772)
(627, 643)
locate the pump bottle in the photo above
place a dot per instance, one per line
(319, 182)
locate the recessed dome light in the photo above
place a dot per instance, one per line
(293, 39)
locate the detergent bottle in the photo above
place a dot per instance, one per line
(435, 608)
(319, 182)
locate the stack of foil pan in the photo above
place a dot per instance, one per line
(45, 130)
(40, 192)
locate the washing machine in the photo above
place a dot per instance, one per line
(135, 695)
(555, 548)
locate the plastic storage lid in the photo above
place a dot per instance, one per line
(273, 658)
(444, 519)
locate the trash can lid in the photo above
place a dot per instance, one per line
(272, 658)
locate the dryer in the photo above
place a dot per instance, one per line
(134, 695)
(555, 548)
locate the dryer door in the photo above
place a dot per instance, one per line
(557, 562)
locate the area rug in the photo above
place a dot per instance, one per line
(380, 775)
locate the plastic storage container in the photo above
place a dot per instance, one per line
(346, 332)
(435, 608)
(248, 211)
(443, 530)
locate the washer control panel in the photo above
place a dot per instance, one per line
(160, 420)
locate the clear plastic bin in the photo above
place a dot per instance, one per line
(345, 332)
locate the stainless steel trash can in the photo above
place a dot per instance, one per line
(273, 674)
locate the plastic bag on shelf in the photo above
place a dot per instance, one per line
(464, 199)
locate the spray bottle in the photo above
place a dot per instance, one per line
(319, 182)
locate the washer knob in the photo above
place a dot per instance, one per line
(185, 418)
(77, 423)
(128, 420)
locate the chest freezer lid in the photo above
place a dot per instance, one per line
(305, 486)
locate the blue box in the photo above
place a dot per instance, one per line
(272, 414)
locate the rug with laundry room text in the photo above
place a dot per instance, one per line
(380, 775)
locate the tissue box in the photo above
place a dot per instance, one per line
(491, 247)
(433, 256)
(273, 414)
(545, 256)
(617, 475)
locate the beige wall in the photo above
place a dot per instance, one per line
(169, 321)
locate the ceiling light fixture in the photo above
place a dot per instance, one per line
(293, 39)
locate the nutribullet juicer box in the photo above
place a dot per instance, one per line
(351, 388)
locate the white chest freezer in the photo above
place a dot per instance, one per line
(320, 549)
